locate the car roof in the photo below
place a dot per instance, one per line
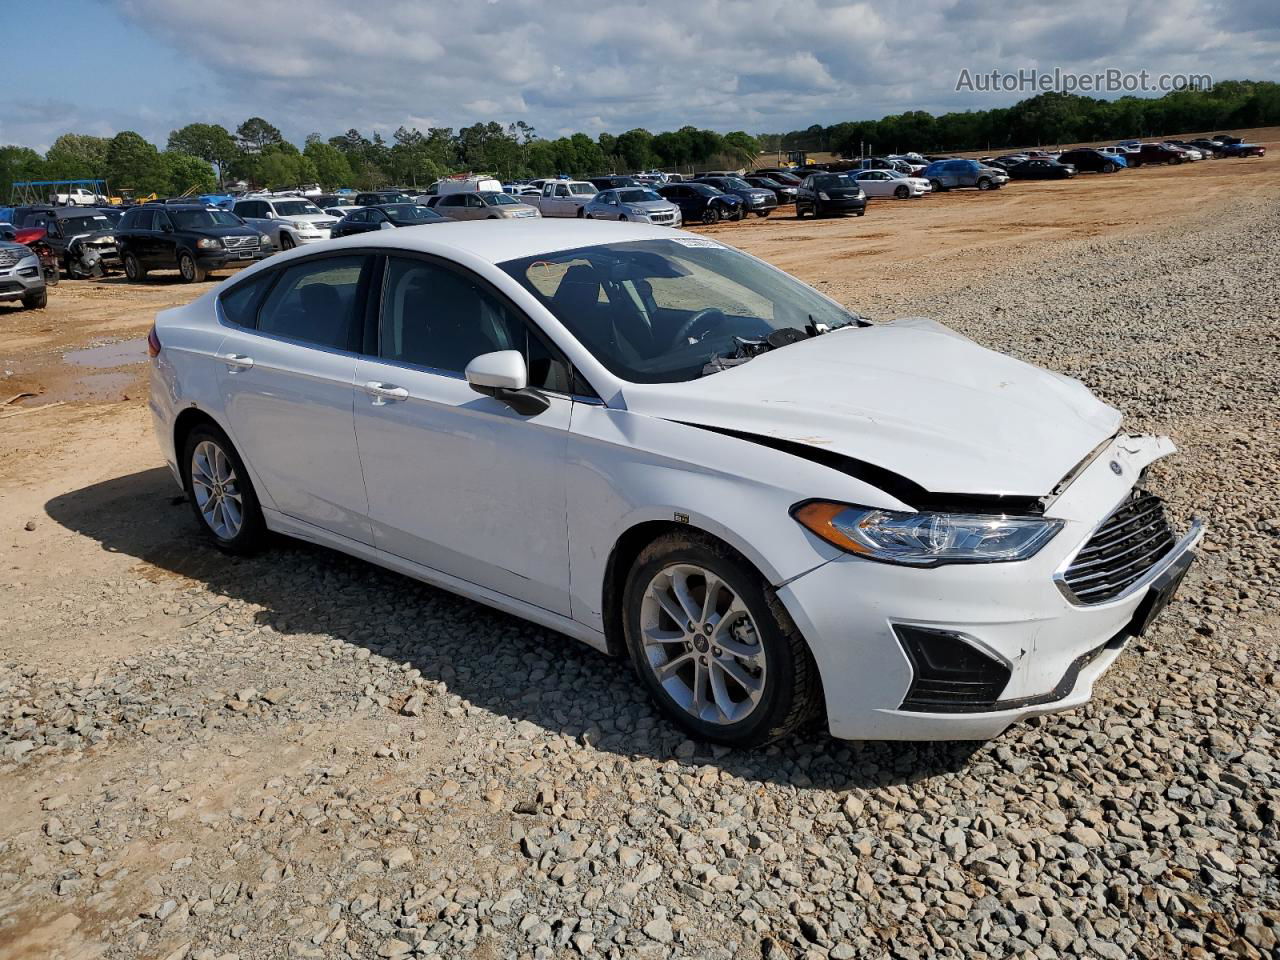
(66, 213)
(499, 241)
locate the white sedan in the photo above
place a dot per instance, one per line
(891, 183)
(672, 451)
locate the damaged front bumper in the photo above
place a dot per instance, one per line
(961, 652)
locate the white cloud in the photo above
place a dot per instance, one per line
(328, 65)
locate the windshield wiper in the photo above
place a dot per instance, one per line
(749, 348)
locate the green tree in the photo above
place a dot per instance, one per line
(75, 155)
(332, 168)
(184, 171)
(635, 149)
(134, 163)
(19, 163)
(209, 141)
(256, 134)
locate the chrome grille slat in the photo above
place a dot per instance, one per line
(1128, 544)
(10, 258)
(240, 243)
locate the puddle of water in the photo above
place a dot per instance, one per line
(107, 355)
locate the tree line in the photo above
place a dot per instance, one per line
(202, 156)
(1049, 119)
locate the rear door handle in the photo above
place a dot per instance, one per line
(237, 361)
(383, 393)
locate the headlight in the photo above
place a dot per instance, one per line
(925, 539)
(207, 243)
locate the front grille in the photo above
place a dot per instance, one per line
(1126, 546)
(240, 243)
(662, 217)
(10, 258)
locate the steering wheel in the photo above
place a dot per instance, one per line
(716, 316)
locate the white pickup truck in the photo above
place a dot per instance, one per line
(80, 197)
(562, 198)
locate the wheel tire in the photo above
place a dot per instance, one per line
(791, 694)
(984, 183)
(582, 212)
(251, 534)
(902, 193)
(286, 242)
(622, 218)
(710, 216)
(763, 213)
(799, 212)
(860, 213)
(133, 269)
(1108, 168)
(36, 301)
(191, 271)
(937, 186)
(73, 270)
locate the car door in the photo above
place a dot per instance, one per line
(286, 380)
(458, 481)
(141, 236)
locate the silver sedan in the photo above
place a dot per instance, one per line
(636, 204)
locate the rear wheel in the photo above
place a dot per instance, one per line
(763, 213)
(35, 301)
(713, 644)
(582, 212)
(622, 218)
(221, 494)
(937, 186)
(1108, 167)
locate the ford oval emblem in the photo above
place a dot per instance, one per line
(1116, 468)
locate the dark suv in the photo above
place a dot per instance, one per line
(82, 239)
(755, 200)
(191, 237)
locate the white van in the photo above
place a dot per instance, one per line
(469, 185)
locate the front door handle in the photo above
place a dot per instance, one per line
(237, 361)
(383, 393)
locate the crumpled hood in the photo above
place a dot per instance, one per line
(912, 397)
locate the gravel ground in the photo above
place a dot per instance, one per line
(304, 756)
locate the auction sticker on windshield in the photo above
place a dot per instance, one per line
(695, 242)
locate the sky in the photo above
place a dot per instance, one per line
(589, 65)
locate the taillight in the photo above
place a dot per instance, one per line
(153, 343)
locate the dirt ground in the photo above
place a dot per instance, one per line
(77, 552)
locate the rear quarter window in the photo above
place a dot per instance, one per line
(240, 303)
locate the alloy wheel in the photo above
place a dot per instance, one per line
(702, 645)
(217, 490)
(187, 267)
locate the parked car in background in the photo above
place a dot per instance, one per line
(193, 238)
(783, 176)
(784, 192)
(1156, 153)
(1040, 168)
(613, 182)
(1226, 139)
(823, 194)
(326, 200)
(890, 183)
(635, 204)
(754, 199)
(1086, 159)
(384, 216)
(489, 205)
(293, 220)
(1124, 153)
(82, 240)
(37, 238)
(950, 174)
(80, 197)
(21, 275)
(1189, 154)
(563, 198)
(339, 212)
(375, 197)
(1242, 149)
(1210, 148)
(701, 203)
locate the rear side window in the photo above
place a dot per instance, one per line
(433, 317)
(319, 301)
(240, 303)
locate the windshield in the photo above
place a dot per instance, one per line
(582, 189)
(833, 180)
(656, 311)
(638, 196)
(735, 183)
(410, 213)
(498, 199)
(196, 219)
(296, 208)
(73, 225)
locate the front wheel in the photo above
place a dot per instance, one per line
(937, 186)
(582, 212)
(984, 184)
(286, 242)
(221, 494)
(714, 646)
(133, 269)
(36, 301)
(622, 218)
(709, 216)
(902, 192)
(1108, 168)
(763, 213)
(191, 271)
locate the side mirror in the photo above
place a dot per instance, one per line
(503, 376)
(386, 225)
(167, 228)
